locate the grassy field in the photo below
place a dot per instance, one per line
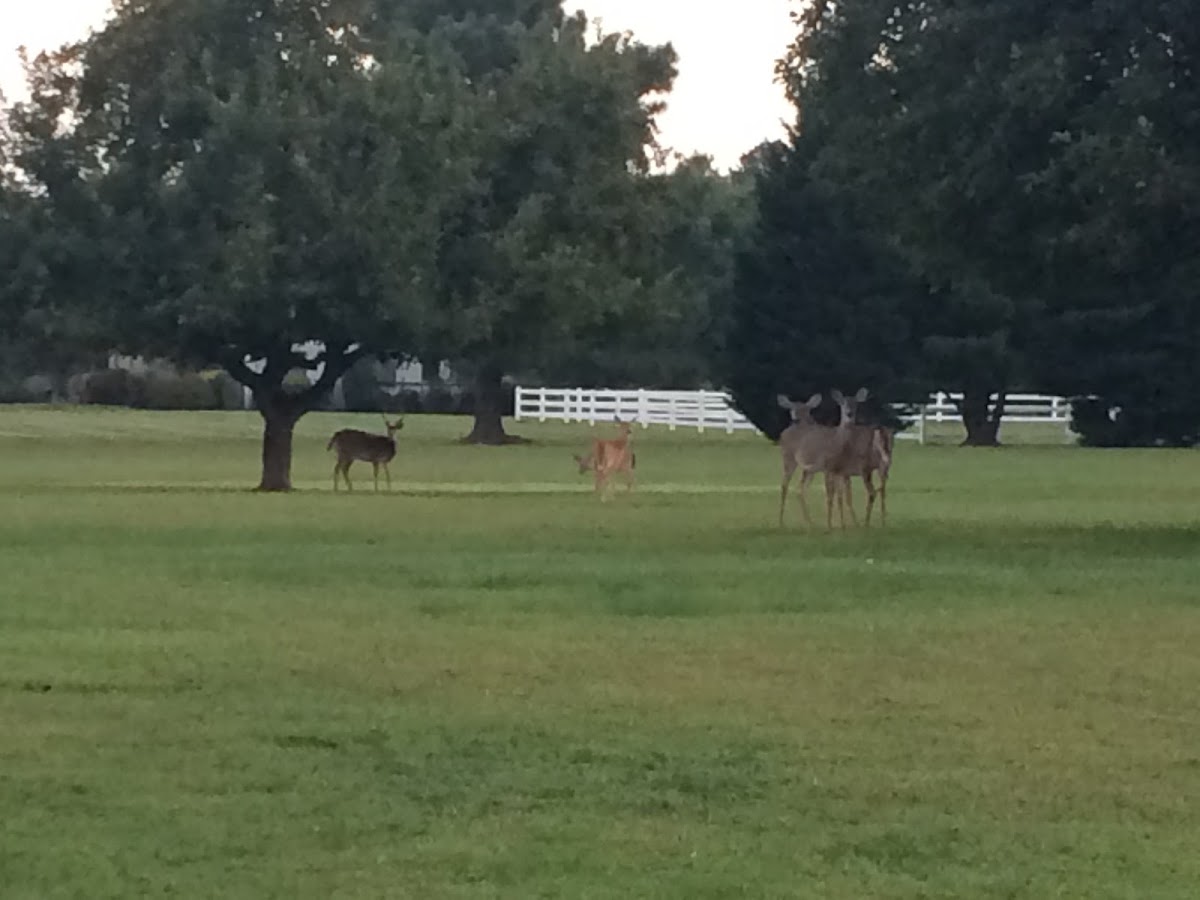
(486, 684)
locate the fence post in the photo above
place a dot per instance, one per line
(921, 424)
(702, 410)
(518, 396)
(641, 408)
(541, 410)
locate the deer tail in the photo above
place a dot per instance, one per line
(332, 441)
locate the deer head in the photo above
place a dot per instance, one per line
(849, 405)
(800, 412)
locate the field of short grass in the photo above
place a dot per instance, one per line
(486, 684)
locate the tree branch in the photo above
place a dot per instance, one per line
(235, 365)
(338, 358)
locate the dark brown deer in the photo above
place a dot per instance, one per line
(352, 444)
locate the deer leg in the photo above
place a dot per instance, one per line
(789, 469)
(388, 474)
(346, 475)
(840, 485)
(882, 499)
(869, 483)
(337, 467)
(832, 493)
(805, 478)
(629, 480)
(849, 495)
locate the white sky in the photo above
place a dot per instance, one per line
(724, 102)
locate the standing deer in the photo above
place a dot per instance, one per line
(812, 448)
(352, 444)
(609, 456)
(588, 462)
(866, 450)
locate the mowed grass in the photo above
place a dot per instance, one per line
(487, 684)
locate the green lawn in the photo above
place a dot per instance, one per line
(487, 684)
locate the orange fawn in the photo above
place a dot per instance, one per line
(811, 448)
(352, 444)
(609, 456)
(867, 449)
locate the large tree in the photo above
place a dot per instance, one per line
(1035, 163)
(359, 176)
(241, 178)
(1122, 331)
(558, 234)
(701, 219)
(821, 302)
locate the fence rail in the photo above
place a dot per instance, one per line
(712, 409)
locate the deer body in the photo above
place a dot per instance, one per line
(867, 450)
(610, 456)
(352, 444)
(811, 448)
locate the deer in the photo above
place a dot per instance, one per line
(587, 462)
(352, 444)
(609, 456)
(867, 449)
(812, 448)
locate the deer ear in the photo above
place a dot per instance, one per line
(862, 395)
(814, 401)
(837, 395)
(784, 401)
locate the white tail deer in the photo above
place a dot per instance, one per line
(811, 448)
(866, 450)
(608, 457)
(352, 444)
(587, 463)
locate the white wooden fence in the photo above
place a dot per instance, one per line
(712, 409)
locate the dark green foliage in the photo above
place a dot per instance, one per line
(245, 176)
(820, 302)
(555, 240)
(162, 390)
(360, 387)
(238, 182)
(1040, 165)
(704, 218)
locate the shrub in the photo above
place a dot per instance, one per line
(360, 387)
(187, 391)
(113, 387)
(227, 391)
(1101, 423)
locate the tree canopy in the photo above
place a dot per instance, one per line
(232, 179)
(822, 303)
(1036, 164)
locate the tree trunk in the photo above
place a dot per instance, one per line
(982, 424)
(489, 409)
(281, 409)
(278, 425)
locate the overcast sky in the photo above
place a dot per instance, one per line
(724, 102)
